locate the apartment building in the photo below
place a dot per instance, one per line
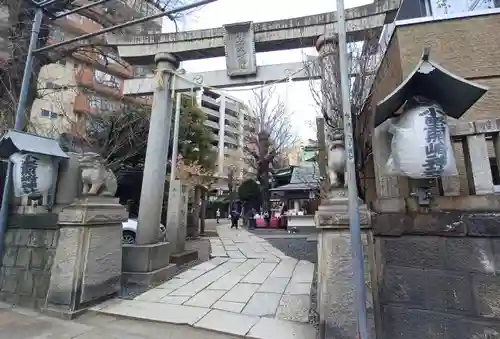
(229, 121)
(90, 81)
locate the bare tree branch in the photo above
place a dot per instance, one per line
(270, 135)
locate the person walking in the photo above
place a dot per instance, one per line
(253, 219)
(267, 218)
(217, 215)
(235, 216)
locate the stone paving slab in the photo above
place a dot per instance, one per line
(241, 293)
(205, 298)
(229, 306)
(227, 322)
(169, 313)
(274, 285)
(248, 288)
(276, 329)
(263, 304)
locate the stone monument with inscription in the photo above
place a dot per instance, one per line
(177, 223)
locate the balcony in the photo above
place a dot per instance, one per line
(93, 58)
(123, 10)
(230, 140)
(104, 84)
(79, 25)
(212, 124)
(115, 12)
(211, 102)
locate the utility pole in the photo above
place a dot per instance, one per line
(20, 119)
(354, 226)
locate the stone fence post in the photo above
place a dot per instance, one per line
(335, 291)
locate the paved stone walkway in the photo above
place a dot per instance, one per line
(22, 323)
(249, 289)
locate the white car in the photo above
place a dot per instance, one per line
(129, 231)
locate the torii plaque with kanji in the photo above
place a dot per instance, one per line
(240, 49)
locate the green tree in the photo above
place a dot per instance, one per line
(249, 191)
(196, 163)
(195, 138)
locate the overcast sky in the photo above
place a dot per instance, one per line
(299, 100)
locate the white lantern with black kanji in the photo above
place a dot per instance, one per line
(33, 174)
(421, 145)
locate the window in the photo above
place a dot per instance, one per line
(106, 79)
(106, 56)
(57, 34)
(51, 85)
(48, 114)
(142, 71)
(102, 105)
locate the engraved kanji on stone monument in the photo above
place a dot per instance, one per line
(240, 49)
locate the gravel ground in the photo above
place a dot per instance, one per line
(202, 245)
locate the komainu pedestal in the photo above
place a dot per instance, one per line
(335, 292)
(88, 259)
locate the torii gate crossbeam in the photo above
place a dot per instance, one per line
(269, 36)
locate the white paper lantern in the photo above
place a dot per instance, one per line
(32, 174)
(421, 146)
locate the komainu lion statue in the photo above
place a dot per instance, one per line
(96, 178)
(336, 158)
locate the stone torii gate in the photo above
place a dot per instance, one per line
(239, 43)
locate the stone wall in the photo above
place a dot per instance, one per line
(30, 244)
(438, 275)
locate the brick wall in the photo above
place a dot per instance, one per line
(30, 245)
(467, 47)
(438, 275)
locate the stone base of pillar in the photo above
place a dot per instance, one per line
(88, 258)
(146, 265)
(335, 291)
(184, 257)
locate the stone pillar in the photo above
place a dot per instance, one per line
(88, 258)
(155, 167)
(176, 223)
(335, 291)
